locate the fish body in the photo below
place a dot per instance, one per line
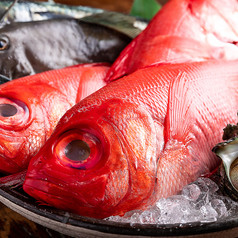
(27, 48)
(36, 10)
(31, 106)
(183, 31)
(138, 139)
(30, 11)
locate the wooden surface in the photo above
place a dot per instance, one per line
(13, 225)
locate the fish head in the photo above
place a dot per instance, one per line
(34, 47)
(27, 118)
(15, 59)
(27, 48)
(99, 161)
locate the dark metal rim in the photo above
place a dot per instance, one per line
(19, 200)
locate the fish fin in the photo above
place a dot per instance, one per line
(119, 69)
(49, 15)
(4, 79)
(88, 65)
(180, 105)
(13, 180)
(176, 165)
(122, 23)
(7, 11)
(91, 80)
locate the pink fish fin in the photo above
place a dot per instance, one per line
(176, 166)
(13, 180)
(119, 67)
(91, 80)
(89, 65)
(180, 110)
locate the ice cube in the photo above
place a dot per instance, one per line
(135, 218)
(146, 217)
(207, 185)
(114, 218)
(220, 207)
(191, 192)
(173, 209)
(209, 213)
(199, 201)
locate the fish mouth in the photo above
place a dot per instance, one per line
(8, 166)
(45, 191)
(8, 154)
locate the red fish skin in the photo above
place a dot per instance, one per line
(182, 31)
(150, 134)
(40, 100)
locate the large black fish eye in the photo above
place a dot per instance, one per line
(4, 43)
(77, 150)
(7, 110)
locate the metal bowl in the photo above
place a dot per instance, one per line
(79, 226)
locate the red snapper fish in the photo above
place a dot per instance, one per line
(183, 31)
(31, 106)
(138, 139)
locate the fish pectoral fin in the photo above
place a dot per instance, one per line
(91, 80)
(181, 113)
(177, 165)
(119, 69)
(176, 168)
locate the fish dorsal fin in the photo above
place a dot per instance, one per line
(180, 110)
(120, 69)
(7, 11)
(125, 24)
(4, 79)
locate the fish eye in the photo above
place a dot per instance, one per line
(7, 110)
(78, 149)
(4, 43)
(12, 113)
(234, 173)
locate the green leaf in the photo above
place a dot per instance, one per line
(145, 8)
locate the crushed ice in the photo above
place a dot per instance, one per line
(198, 202)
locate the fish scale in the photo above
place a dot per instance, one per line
(175, 139)
(182, 31)
(46, 98)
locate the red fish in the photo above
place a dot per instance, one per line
(183, 31)
(30, 107)
(138, 139)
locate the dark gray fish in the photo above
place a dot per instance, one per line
(4, 79)
(70, 35)
(33, 47)
(37, 11)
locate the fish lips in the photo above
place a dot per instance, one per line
(60, 194)
(87, 198)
